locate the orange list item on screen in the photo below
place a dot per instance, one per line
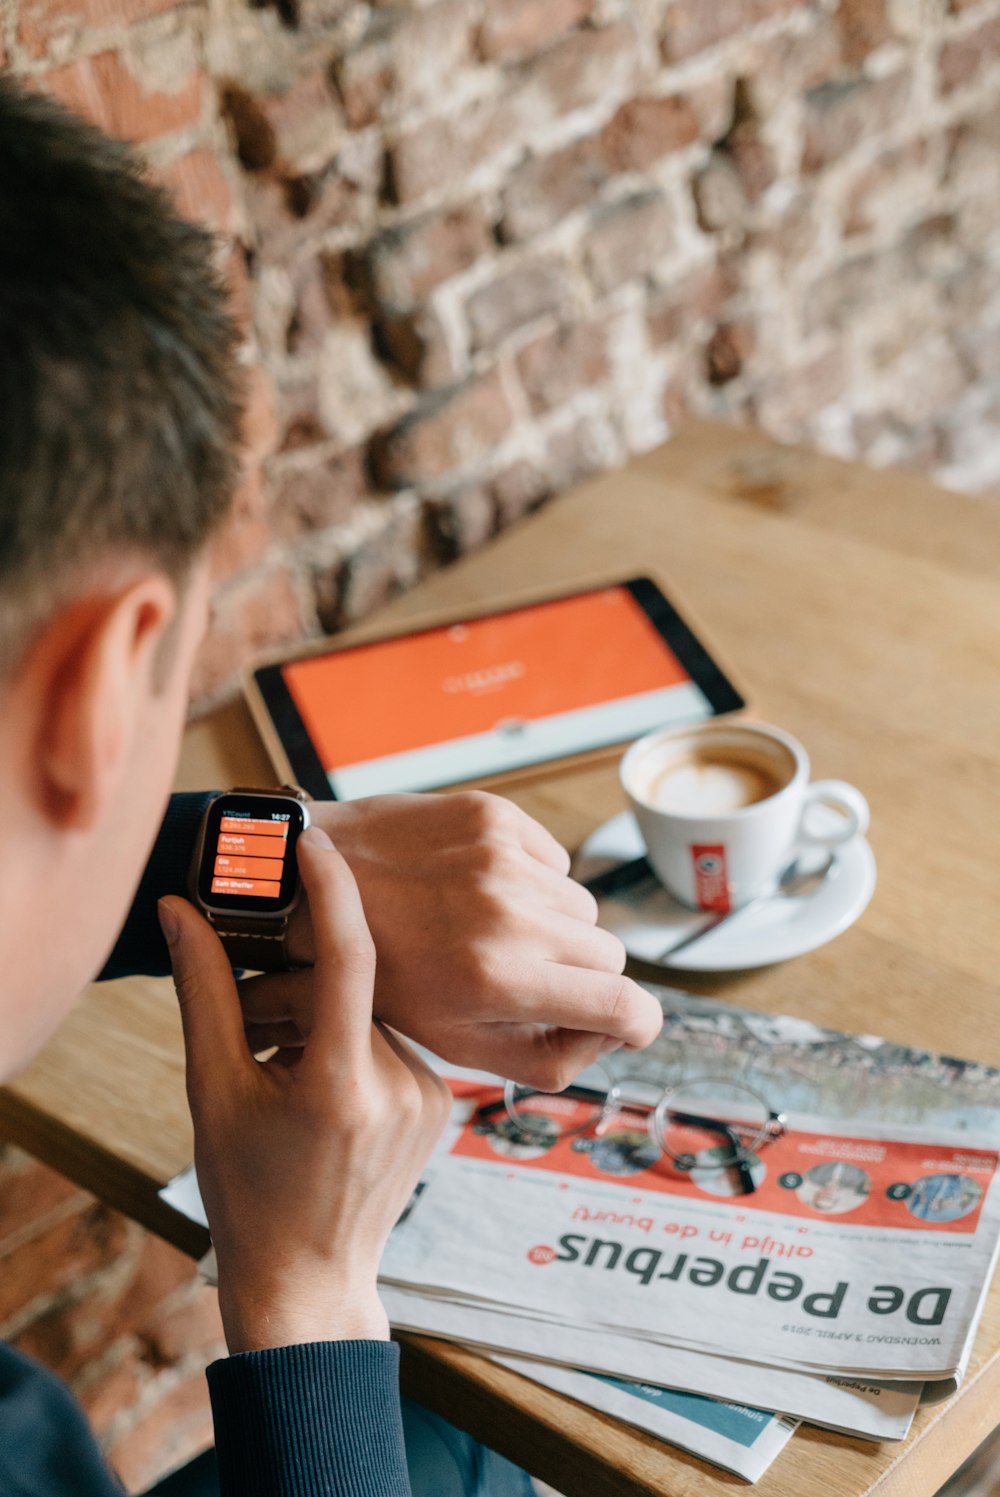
(249, 856)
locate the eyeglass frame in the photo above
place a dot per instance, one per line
(774, 1126)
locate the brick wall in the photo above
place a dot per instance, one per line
(482, 248)
(116, 1312)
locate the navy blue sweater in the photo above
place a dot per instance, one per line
(320, 1420)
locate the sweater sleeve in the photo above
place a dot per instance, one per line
(317, 1420)
(140, 948)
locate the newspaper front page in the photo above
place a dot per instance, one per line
(863, 1246)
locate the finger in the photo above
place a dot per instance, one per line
(206, 991)
(277, 997)
(433, 1087)
(572, 943)
(540, 843)
(548, 1059)
(603, 1003)
(344, 974)
(560, 893)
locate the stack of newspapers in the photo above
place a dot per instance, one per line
(754, 1223)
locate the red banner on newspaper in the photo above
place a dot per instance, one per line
(868, 1181)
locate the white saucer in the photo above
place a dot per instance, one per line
(648, 919)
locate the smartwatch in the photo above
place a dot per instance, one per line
(245, 876)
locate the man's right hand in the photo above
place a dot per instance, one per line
(304, 1161)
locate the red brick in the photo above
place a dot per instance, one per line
(587, 68)
(305, 123)
(693, 25)
(416, 344)
(66, 1336)
(320, 495)
(441, 150)
(546, 188)
(555, 366)
(786, 65)
(572, 454)
(200, 190)
(789, 400)
(250, 617)
(894, 179)
(514, 299)
(628, 239)
(683, 305)
(179, 1330)
(104, 90)
(445, 432)
(754, 160)
(720, 193)
(518, 489)
(44, 21)
(29, 1192)
(287, 212)
(259, 431)
(462, 521)
(59, 1254)
(375, 572)
(405, 264)
(518, 28)
(114, 1389)
(644, 130)
(728, 350)
(171, 1432)
(402, 58)
(864, 25)
(840, 115)
(244, 536)
(964, 59)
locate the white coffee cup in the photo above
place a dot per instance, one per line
(724, 806)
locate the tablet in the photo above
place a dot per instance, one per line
(475, 698)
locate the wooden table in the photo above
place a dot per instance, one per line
(857, 609)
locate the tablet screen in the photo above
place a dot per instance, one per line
(473, 699)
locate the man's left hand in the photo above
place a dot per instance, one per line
(487, 952)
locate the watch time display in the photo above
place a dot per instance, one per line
(248, 854)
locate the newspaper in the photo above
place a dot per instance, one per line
(876, 1411)
(740, 1439)
(863, 1250)
(856, 1267)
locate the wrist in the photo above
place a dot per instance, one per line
(254, 1322)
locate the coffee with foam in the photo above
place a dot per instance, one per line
(723, 806)
(712, 781)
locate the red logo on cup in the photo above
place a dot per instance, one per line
(711, 882)
(541, 1254)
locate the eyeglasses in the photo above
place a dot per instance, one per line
(708, 1126)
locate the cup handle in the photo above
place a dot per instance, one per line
(844, 798)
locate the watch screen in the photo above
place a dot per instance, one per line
(248, 856)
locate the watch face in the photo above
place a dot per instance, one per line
(248, 855)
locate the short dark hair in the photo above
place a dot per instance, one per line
(120, 396)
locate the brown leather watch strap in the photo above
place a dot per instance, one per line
(264, 949)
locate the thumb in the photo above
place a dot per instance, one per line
(206, 991)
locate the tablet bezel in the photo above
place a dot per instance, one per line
(293, 753)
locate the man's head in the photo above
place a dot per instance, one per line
(119, 416)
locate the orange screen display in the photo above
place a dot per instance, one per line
(449, 683)
(249, 856)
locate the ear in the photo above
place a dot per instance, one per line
(90, 677)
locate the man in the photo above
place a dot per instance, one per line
(450, 920)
